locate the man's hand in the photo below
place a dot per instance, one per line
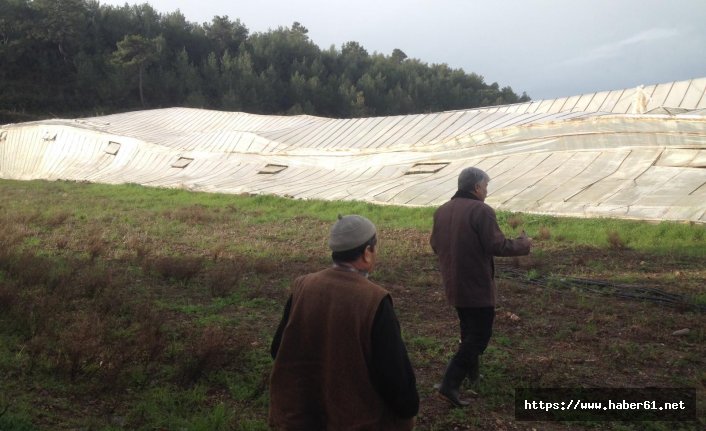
(523, 237)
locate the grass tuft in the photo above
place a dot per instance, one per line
(544, 233)
(615, 241)
(515, 221)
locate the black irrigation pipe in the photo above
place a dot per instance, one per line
(600, 287)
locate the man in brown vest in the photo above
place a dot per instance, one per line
(465, 237)
(339, 360)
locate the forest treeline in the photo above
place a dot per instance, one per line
(80, 57)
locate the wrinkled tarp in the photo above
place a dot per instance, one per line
(586, 155)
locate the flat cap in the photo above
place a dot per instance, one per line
(349, 232)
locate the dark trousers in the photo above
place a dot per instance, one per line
(476, 330)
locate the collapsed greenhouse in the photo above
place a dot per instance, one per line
(635, 153)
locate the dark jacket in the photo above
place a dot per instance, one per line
(465, 237)
(322, 376)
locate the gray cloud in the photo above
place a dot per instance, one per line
(619, 48)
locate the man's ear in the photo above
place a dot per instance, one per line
(368, 254)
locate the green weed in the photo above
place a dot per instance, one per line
(15, 423)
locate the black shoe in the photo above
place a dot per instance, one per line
(453, 400)
(449, 389)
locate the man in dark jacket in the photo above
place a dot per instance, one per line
(465, 237)
(340, 362)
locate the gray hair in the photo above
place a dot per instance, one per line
(469, 177)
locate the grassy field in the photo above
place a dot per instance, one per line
(124, 307)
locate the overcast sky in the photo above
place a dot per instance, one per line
(548, 48)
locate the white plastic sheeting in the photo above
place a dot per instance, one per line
(634, 153)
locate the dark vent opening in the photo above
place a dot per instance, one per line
(182, 162)
(426, 168)
(272, 169)
(112, 148)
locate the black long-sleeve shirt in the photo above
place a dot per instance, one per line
(391, 372)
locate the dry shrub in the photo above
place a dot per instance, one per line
(57, 219)
(269, 271)
(91, 280)
(80, 342)
(112, 298)
(10, 236)
(150, 337)
(207, 351)
(544, 233)
(232, 208)
(27, 218)
(96, 245)
(37, 312)
(266, 266)
(38, 351)
(579, 260)
(526, 262)
(37, 317)
(217, 251)
(180, 268)
(224, 277)
(62, 242)
(614, 241)
(266, 289)
(196, 214)
(30, 270)
(135, 337)
(515, 221)
(8, 297)
(107, 337)
(139, 244)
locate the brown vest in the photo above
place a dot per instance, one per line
(320, 378)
